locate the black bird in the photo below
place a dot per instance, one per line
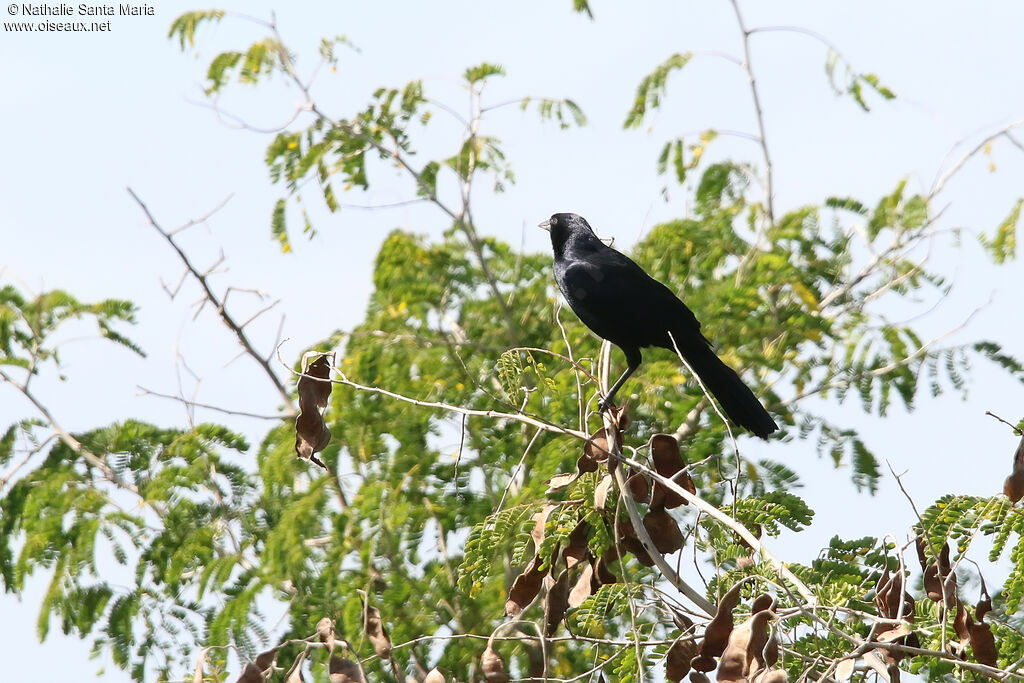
(615, 298)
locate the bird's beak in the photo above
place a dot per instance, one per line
(546, 225)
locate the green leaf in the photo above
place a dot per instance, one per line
(184, 27)
(1002, 246)
(847, 204)
(478, 73)
(652, 89)
(583, 7)
(771, 509)
(277, 225)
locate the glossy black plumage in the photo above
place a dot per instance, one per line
(620, 302)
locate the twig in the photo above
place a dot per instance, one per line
(196, 404)
(460, 410)
(615, 451)
(225, 317)
(1016, 430)
(769, 181)
(71, 442)
(941, 181)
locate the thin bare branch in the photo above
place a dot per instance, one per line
(195, 404)
(225, 316)
(769, 173)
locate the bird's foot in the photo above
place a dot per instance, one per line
(604, 404)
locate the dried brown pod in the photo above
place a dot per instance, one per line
(977, 634)
(345, 671)
(575, 550)
(743, 655)
(197, 673)
(584, 464)
(1014, 484)
(888, 595)
(251, 674)
(663, 530)
(325, 631)
(434, 676)
(667, 462)
(266, 660)
(677, 659)
(311, 432)
(597, 447)
(938, 578)
(376, 633)
(603, 575)
(493, 666)
(772, 676)
(701, 663)
(716, 635)
(764, 601)
(525, 588)
(629, 542)
(584, 586)
(601, 491)
(556, 602)
(640, 486)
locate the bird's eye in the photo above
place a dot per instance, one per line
(554, 220)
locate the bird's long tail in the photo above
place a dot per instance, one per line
(737, 400)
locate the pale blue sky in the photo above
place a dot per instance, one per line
(84, 115)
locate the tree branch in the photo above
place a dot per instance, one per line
(226, 318)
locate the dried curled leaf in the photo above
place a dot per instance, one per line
(325, 631)
(667, 462)
(1013, 487)
(556, 602)
(525, 588)
(376, 633)
(664, 530)
(698, 677)
(345, 671)
(311, 433)
(493, 666)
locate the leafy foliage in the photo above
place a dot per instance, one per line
(653, 87)
(429, 514)
(1003, 244)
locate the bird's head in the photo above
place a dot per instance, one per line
(566, 226)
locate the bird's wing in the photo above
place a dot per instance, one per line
(622, 303)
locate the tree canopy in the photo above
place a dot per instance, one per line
(438, 489)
